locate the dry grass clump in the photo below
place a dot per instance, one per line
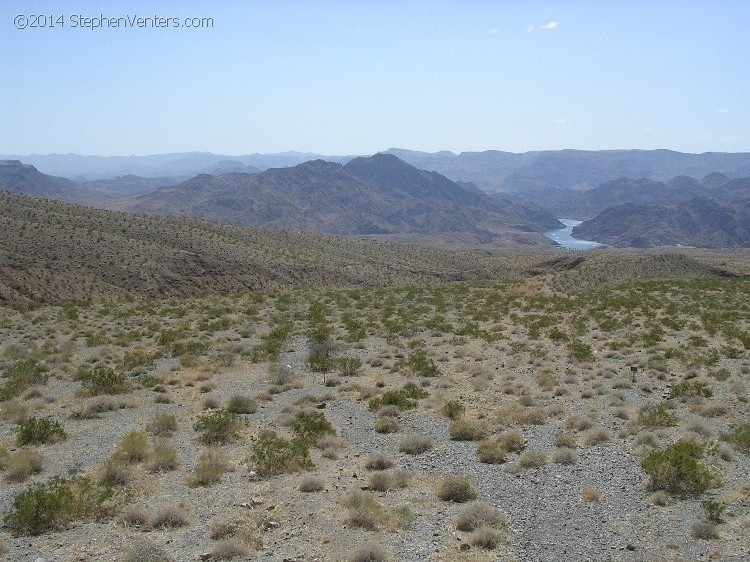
(704, 530)
(578, 423)
(364, 511)
(330, 446)
(163, 458)
(378, 461)
(491, 451)
(530, 416)
(457, 489)
(387, 424)
(486, 537)
(532, 459)
(209, 469)
(143, 551)
(464, 429)
(512, 440)
(564, 455)
(133, 447)
(660, 498)
(162, 425)
(116, 473)
(370, 552)
(136, 517)
(415, 444)
(19, 466)
(311, 483)
(169, 517)
(565, 439)
(387, 480)
(229, 549)
(239, 404)
(478, 514)
(595, 436)
(589, 494)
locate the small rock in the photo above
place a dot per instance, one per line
(204, 555)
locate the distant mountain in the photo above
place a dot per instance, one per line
(699, 222)
(230, 166)
(24, 178)
(125, 186)
(496, 171)
(380, 195)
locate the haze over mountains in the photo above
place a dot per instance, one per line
(492, 197)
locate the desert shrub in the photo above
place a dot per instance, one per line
(690, 389)
(378, 461)
(33, 431)
(596, 436)
(169, 517)
(370, 552)
(364, 510)
(242, 405)
(656, 415)
(589, 494)
(404, 399)
(422, 365)
(532, 459)
(478, 514)
(739, 437)
(54, 504)
(415, 444)
(387, 480)
(463, 429)
(218, 427)
(453, 409)
(704, 530)
(209, 469)
(491, 451)
(163, 458)
(512, 440)
(486, 537)
(312, 426)
(276, 455)
(115, 474)
(457, 489)
(20, 466)
(20, 375)
(162, 425)
(660, 498)
(714, 510)
(387, 424)
(228, 549)
(578, 423)
(563, 439)
(146, 552)
(348, 365)
(209, 402)
(133, 447)
(678, 469)
(104, 380)
(580, 351)
(564, 455)
(311, 483)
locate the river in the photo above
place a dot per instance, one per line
(564, 237)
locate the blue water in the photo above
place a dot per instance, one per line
(564, 237)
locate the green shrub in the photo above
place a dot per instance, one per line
(739, 437)
(457, 489)
(55, 504)
(104, 380)
(453, 409)
(580, 351)
(690, 389)
(714, 510)
(656, 415)
(678, 469)
(422, 365)
(404, 399)
(276, 455)
(218, 427)
(348, 365)
(21, 375)
(312, 426)
(39, 430)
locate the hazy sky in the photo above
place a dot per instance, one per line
(356, 77)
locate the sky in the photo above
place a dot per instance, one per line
(355, 77)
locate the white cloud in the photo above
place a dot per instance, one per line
(561, 120)
(493, 30)
(722, 110)
(545, 27)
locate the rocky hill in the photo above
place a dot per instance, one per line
(699, 222)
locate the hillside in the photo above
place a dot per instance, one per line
(381, 195)
(699, 222)
(24, 178)
(55, 251)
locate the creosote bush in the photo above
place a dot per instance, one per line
(34, 431)
(104, 380)
(218, 427)
(678, 469)
(276, 455)
(656, 415)
(312, 426)
(453, 409)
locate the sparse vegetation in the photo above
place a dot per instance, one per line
(457, 489)
(276, 455)
(218, 427)
(678, 469)
(36, 431)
